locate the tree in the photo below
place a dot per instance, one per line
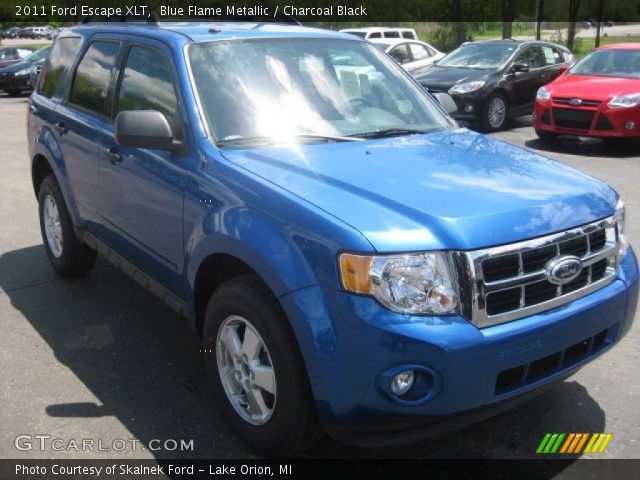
(508, 14)
(574, 10)
(539, 15)
(455, 7)
(599, 18)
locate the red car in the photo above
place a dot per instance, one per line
(599, 96)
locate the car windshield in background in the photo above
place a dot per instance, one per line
(357, 34)
(38, 55)
(609, 63)
(306, 90)
(381, 46)
(485, 56)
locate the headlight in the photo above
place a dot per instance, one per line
(466, 87)
(543, 94)
(619, 219)
(24, 71)
(625, 101)
(420, 283)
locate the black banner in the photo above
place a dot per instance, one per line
(343, 11)
(319, 469)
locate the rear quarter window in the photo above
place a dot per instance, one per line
(60, 58)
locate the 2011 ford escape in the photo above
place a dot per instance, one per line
(353, 260)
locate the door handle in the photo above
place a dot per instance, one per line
(60, 128)
(112, 155)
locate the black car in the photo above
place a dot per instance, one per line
(15, 78)
(11, 55)
(493, 80)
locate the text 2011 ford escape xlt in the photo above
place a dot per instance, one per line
(354, 261)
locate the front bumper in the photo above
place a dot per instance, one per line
(349, 341)
(13, 82)
(590, 121)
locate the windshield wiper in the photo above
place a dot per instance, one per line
(263, 140)
(390, 132)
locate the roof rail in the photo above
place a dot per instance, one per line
(151, 18)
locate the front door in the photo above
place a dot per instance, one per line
(143, 190)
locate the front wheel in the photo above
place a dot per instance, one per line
(496, 113)
(68, 255)
(258, 375)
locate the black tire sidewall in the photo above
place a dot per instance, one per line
(249, 303)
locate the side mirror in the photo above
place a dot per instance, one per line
(144, 129)
(564, 67)
(446, 101)
(521, 67)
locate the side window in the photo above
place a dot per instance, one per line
(375, 35)
(60, 57)
(401, 54)
(419, 52)
(531, 57)
(391, 34)
(408, 34)
(146, 83)
(92, 80)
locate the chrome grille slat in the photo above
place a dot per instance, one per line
(514, 289)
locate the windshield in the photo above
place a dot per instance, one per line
(381, 45)
(609, 63)
(38, 55)
(295, 88)
(485, 56)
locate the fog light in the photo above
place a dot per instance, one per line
(468, 108)
(402, 382)
(630, 125)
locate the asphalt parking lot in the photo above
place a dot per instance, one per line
(99, 358)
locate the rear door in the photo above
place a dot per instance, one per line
(142, 190)
(81, 117)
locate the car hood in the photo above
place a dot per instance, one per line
(443, 78)
(16, 67)
(447, 190)
(592, 87)
(6, 63)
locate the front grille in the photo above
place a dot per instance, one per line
(541, 368)
(567, 101)
(573, 119)
(511, 281)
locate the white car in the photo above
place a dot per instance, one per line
(369, 33)
(413, 55)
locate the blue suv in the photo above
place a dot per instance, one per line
(354, 261)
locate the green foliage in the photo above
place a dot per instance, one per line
(450, 36)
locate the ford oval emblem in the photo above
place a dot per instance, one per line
(563, 270)
(575, 101)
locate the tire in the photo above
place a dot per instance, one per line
(69, 257)
(13, 92)
(291, 423)
(490, 124)
(546, 136)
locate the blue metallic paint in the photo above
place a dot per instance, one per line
(288, 213)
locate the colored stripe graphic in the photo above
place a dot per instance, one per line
(573, 443)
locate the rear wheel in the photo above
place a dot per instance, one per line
(496, 113)
(546, 136)
(68, 255)
(258, 374)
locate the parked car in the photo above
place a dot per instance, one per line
(11, 32)
(491, 81)
(16, 77)
(413, 55)
(11, 55)
(369, 33)
(35, 33)
(598, 97)
(352, 259)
